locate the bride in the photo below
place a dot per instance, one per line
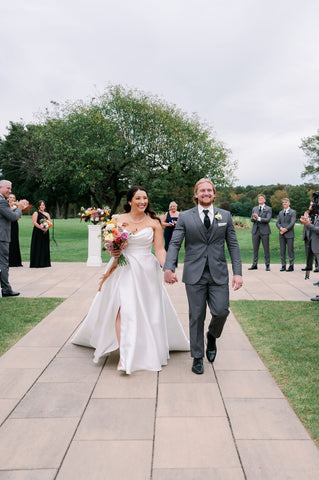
(132, 310)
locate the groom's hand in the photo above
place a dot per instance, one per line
(237, 282)
(170, 277)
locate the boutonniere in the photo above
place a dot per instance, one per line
(218, 216)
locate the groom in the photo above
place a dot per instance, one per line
(205, 273)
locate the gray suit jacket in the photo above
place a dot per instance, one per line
(6, 217)
(314, 229)
(202, 245)
(265, 218)
(287, 221)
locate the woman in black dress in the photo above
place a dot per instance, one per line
(14, 247)
(169, 221)
(40, 242)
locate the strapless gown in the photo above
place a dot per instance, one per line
(149, 323)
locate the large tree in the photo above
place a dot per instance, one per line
(125, 137)
(22, 162)
(18, 153)
(310, 146)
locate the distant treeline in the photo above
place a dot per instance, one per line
(240, 200)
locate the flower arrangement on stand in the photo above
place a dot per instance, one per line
(94, 215)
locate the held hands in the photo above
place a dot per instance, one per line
(170, 277)
(237, 282)
(256, 216)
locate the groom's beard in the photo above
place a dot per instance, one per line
(205, 203)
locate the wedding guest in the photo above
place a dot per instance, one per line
(306, 236)
(14, 248)
(132, 311)
(40, 242)
(6, 217)
(312, 225)
(169, 221)
(261, 216)
(285, 223)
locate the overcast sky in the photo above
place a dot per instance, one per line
(248, 67)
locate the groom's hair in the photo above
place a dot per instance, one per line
(202, 180)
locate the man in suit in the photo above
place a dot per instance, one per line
(306, 238)
(313, 229)
(6, 217)
(205, 272)
(261, 216)
(285, 223)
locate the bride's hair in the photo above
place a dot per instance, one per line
(130, 194)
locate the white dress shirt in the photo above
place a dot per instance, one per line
(210, 213)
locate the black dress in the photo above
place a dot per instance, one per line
(14, 247)
(40, 246)
(168, 231)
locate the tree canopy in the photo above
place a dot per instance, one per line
(99, 148)
(310, 146)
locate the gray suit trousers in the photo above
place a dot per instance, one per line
(4, 267)
(256, 237)
(199, 295)
(286, 242)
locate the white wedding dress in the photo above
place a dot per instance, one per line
(149, 323)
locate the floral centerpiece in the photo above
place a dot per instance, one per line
(94, 215)
(114, 237)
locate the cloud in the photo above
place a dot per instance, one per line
(249, 68)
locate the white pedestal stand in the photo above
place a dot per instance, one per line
(94, 257)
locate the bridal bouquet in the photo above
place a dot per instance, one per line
(94, 215)
(114, 237)
(45, 223)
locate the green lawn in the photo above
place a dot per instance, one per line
(19, 315)
(246, 249)
(72, 242)
(71, 238)
(286, 336)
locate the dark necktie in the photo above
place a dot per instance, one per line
(260, 210)
(206, 219)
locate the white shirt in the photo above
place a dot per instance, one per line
(210, 213)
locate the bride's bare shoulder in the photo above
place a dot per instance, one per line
(154, 223)
(123, 217)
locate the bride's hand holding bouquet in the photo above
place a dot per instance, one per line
(115, 239)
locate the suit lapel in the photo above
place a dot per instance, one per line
(199, 224)
(214, 226)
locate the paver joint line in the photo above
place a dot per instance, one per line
(79, 293)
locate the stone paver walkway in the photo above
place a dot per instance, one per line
(63, 417)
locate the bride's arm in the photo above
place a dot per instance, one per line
(159, 249)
